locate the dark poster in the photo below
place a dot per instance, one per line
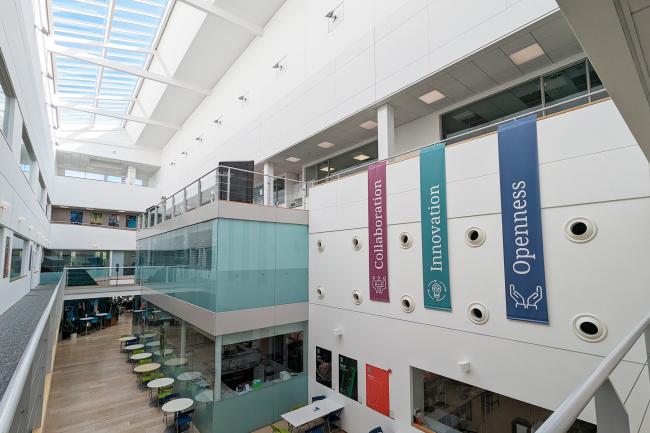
(236, 183)
(324, 366)
(348, 377)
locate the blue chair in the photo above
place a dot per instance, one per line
(317, 429)
(184, 421)
(334, 419)
(376, 430)
(317, 397)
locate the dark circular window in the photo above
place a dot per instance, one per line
(477, 313)
(473, 235)
(579, 228)
(589, 328)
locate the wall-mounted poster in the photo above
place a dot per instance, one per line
(131, 221)
(114, 220)
(96, 218)
(76, 217)
(348, 377)
(324, 366)
(377, 389)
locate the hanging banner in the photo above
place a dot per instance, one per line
(348, 377)
(324, 366)
(377, 389)
(521, 220)
(377, 232)
(433, 212)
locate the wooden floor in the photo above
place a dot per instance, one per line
(93, 389)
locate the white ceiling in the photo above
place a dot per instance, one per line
(96, 164)
(487, 69)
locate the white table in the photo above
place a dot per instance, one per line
(176, 405)
(175, 362)
(146, 368)
(312, 412)
(152, 344)
(160, 383)
(101, 318)
(127, 338)
(188, 375)
(134, 347)
(163, 352)
(147, 336)
(85, 319)
(140, 356)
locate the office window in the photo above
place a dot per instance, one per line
(561, 85)
(74, 173)
(6, 95)
(443, 404)
(17, 249)
(352, 158)
(131, 221)
(76, 217)
(5, 267)
(113, 220)
(27, 158)
(96, 218)
(114, 179)
(41, 194)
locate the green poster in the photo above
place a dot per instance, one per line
(433, 206)
(348, 377)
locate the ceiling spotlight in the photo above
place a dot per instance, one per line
(56, 143)
(184, 152)
(331, 15)
(172, 163)
(43, 30)
(218, 120)
(243, 98)
(369, 124)
(277, 66)
(199, 138)
(47, 75)
(293, 159)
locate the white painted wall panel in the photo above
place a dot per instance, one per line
(77, 237)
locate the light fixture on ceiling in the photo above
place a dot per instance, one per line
(292, 159)
(361, 157)
(56, 143)
(43, 30)
(184, 153)
(90, 208)
(243, 98)
(199, 138)
(527, 54)
(369, 124)
(327, 169)
(47, 75)
(121, 211)
(172, 163)
(325, 145)
(63, 207)
(431, 97)
(331, 15)
(218, 120)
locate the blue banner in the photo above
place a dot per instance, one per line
(521, 220)
(433, 212)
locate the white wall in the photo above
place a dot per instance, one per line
(378, 48)
(589, 166)
(24, 216)
(77, 237)
(70, 191)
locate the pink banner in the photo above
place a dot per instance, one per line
(377, 232)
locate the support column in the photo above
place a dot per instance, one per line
(386, 131)
(183, 338)
(217, 367)
(268, 184)
(130, 175)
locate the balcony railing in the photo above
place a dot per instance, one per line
(228, 184)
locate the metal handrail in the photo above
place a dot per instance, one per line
(566, 414)
(470, 133)
(11, 397)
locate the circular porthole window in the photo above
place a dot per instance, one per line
(356, 297)
(320, 292)
(478, 313)
(405, 240)
(407, 304)
(580, 229)
(589, 327)
(320, 244)
(474, 236)
(356, 243)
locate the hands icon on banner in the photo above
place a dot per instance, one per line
(530, 302)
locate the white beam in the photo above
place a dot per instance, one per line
(80, 41)
(128, 117)
(217, 11)
(60, 96)
(80, 55)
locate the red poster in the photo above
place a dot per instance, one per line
(377, 231)
(377, 389)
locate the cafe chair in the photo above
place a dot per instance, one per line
(184, 421)
(376, 430)
(317, 397)
(334, 419)
(278, 429)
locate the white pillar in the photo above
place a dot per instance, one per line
(268, 184)
(130, 175)
(386, 131)
(217, 367)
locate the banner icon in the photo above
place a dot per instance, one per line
(521, 221)
(433, 209)
(377, 232)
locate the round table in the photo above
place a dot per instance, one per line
(85, 319)
(205, 396)
(101, 318)
(134, 347)
(127, 338)
(147, 336)
(188, 375)
(138, 311)
(163, 352)
(153, 344)
(140, 356)
(160, 383)
(146, 368)
(174, 362)
(177, 405)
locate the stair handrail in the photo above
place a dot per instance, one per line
(611, 416)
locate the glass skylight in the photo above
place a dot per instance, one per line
(121, 31)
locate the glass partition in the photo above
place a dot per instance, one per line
(208, 187)
(192, 196)
(167, 206)
(179, 202)
(159, 214)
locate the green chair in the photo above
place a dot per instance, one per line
(144, 361)
(278, 429)
(164, 392)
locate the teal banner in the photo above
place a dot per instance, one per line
(433, 207)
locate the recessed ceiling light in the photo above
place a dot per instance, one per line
(325, 145)
(327, 169)
(63, 207)
(121, 211)
(293, 159)
(369, 124)
(527, 54)
(361, 157)
(431, 97)
(90, 208)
